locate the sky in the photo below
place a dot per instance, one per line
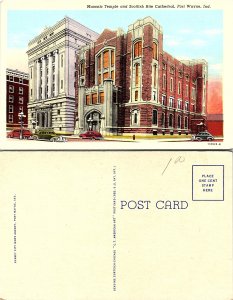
(188, 34)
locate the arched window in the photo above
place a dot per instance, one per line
(170, 121)
(135, 117)
(137, 49)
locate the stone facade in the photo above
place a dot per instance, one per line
(126, 83)
(51, 59)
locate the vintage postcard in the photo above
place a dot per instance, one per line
(133, 225)
(119, 76)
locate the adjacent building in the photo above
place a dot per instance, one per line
(51, 61)
(126, 83)
(17, 86)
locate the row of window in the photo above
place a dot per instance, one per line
(95, 99)
(11, 109)
(135, 119)
(15, 79)
(179, 87)
(171, 103)
(137, 50)
(12, 89)
(180, 72)
(11, 99)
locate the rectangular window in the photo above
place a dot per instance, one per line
(186, 107)
(179, 104)
(87, 99)
(187, 90)
(99, 79)
(99, 63)
(11, 109)
(171, 102)
(106, 75)
(193, 93)
(62, 61)
(20, 80)
(106, 59)
(10, 118)
(94, 98)
(179, 88)
(155, 75)
(101, 97)
(58, 111)
(112, 58)
(31, 92)
(155, 117)
(11, 89)
(31, 73)
(61, 84)
(11, 78)
(21, 109)
(136, 74)
(11, 98)
(20, 100)
(171, 84)
(112, 75)
(163, 100)
(20, 90)
(164, 81)
(138, 49)
(136, 96)
(155, 50)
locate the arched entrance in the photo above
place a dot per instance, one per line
(93, 121)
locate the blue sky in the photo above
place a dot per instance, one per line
(187, 33)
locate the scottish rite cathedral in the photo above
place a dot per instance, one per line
(126, 83)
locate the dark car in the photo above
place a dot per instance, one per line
(91, 134)
(15, 133)
(202, 136)
(48, 134)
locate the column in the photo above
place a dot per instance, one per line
(50, 75)
(81, 99)
(43, 78)
(56, 72)
(108, 92)
(40, 119)
(49, 118)
(38, 79)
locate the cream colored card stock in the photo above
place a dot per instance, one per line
(116, 225)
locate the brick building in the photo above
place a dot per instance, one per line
(126, 83)
(17, 87)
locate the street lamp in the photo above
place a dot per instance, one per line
(90, 123)
(21, 116)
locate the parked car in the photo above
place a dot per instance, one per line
(15, 133)
(48, 134)
(202, 136)
(91, 134)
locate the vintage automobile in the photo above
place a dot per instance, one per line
(48, 134)
(202, 136)
(15, 133)
(91, 134)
